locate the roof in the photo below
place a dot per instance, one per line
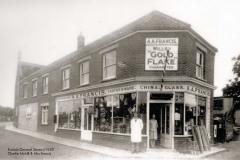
(155, 20)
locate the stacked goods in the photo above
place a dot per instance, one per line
(200, 139)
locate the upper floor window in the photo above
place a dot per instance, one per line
(25, 91)
(34, 88)
(66, 78)
(109, 65)
(84, 73)
(45, 84)
(200, 64)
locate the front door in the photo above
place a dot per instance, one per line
(165, 135)
(86, 133)
(162, 114)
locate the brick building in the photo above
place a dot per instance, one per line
(154, 65)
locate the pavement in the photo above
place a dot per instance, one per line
(117, 153)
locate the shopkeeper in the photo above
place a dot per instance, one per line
(136, 132)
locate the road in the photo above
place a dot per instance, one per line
(232, 152)
(11, 140)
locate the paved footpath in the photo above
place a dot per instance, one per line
(111, 153)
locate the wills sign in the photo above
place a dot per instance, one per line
(161, 54)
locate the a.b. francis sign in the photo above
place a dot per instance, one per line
(161, 54)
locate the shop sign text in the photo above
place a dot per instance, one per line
(161, 54)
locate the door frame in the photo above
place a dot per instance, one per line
(85, 132)
(172, 110)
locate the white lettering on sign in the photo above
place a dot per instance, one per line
(161, 54)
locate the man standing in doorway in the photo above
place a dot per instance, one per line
(136, 132)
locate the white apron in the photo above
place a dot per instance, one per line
(136, 130)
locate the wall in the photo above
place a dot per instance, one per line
(30, 121)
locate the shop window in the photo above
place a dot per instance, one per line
(123, 112)
(66, 78)
(69, 114)
(84, 73)
(44, 114)
(109, 65)
(103, 115)
(34, 88)
(45, 84)
(200, 64)
(179, 113)
(195, 111)
(142, 109)
(201, 110)
(113, 113)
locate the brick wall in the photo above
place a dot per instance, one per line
(131, 51)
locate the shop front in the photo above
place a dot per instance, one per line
(102, 116)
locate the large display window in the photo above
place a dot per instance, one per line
(195, 111)
(69, 114)
(142, 109)
(113, 113)
(179, 113)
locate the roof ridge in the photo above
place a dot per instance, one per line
(171, 18)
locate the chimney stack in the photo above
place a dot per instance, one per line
(80, 41)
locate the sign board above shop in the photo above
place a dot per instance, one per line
(161, 54)
(145, 88)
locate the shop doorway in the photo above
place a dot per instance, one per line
(162, 114)
(86, 133)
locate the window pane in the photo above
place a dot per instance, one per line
(201, 111)
(103, 114)
(198, 58)
(109, 65)
(142, 108)
(67, 73)
(85, 67)
(179, 118)
(111, 71)
(70, 114)
(124, 106)
(86, 78)
(110, 58)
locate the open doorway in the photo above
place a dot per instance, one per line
(159, 135)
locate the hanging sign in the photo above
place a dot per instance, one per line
(161, 54)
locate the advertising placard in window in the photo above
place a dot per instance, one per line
(161, 54)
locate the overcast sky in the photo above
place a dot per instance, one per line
(45, 30)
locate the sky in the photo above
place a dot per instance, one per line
(46, 30)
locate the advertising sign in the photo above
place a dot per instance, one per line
(161, 54)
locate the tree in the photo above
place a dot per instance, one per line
(232, 89)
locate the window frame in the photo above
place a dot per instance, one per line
(45, 84)
(64, 79)
(44, 111)
(106, 76)
(34, 87)
(82, 74)
(200, 64)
